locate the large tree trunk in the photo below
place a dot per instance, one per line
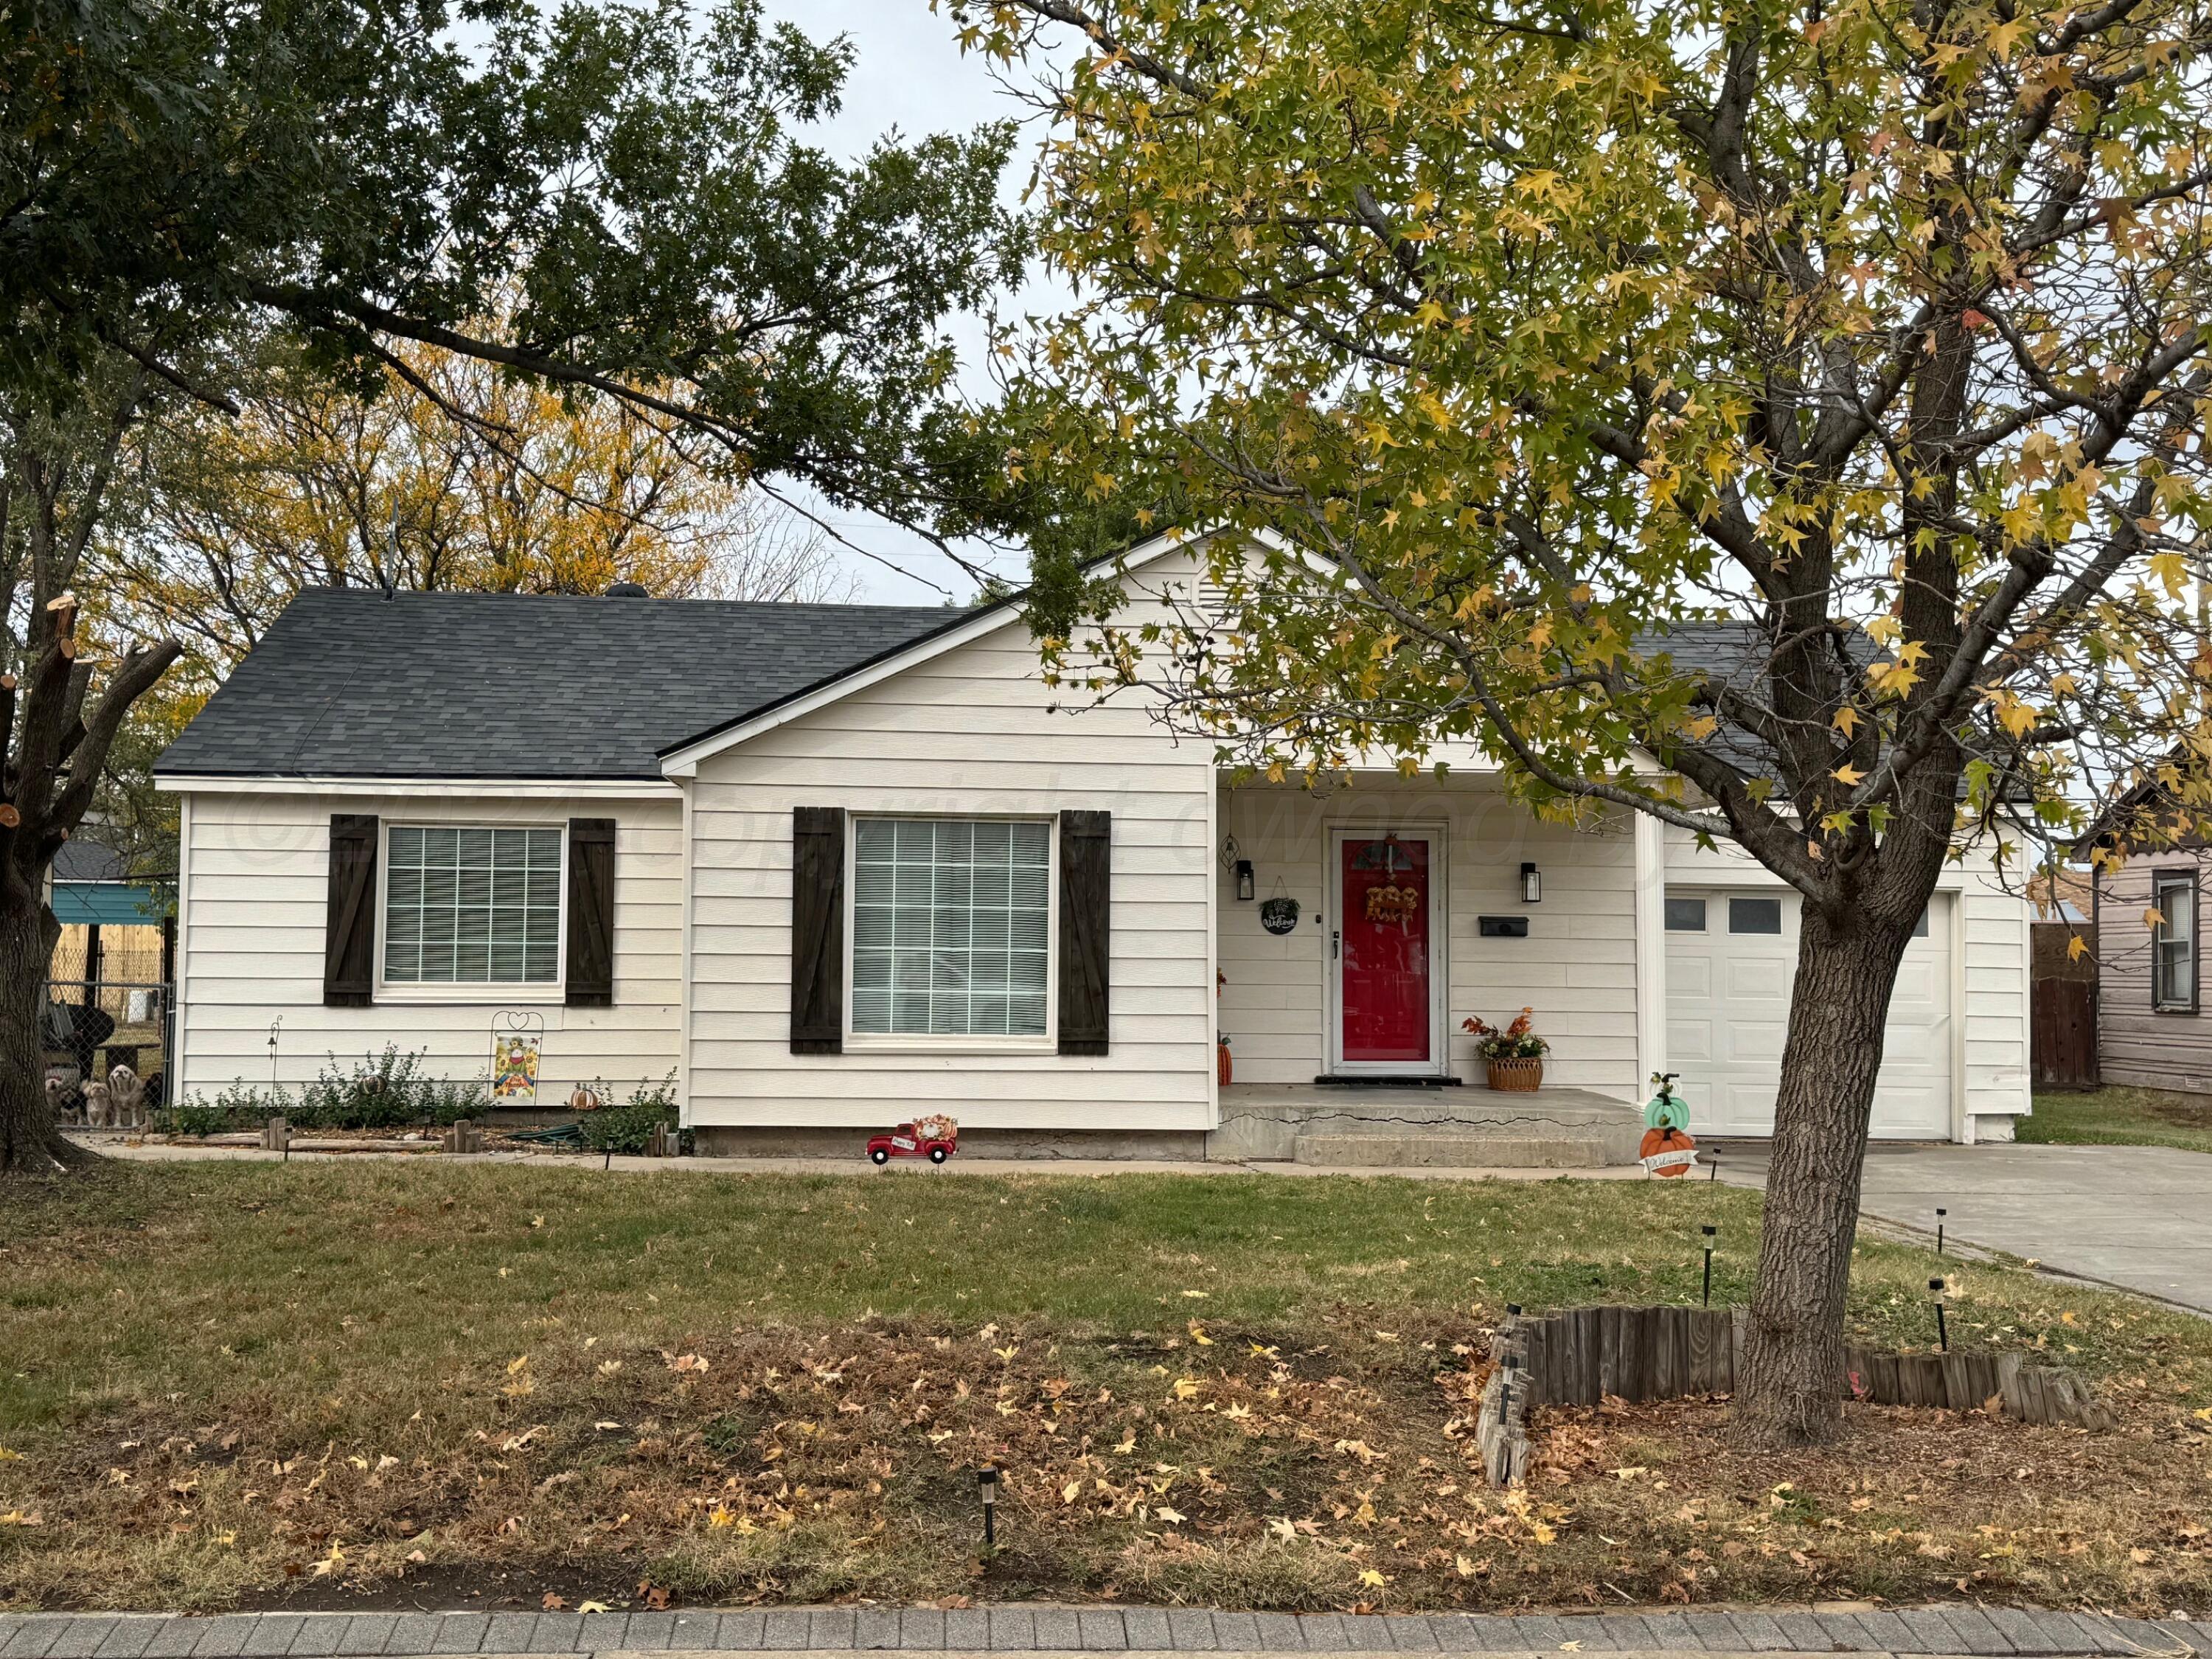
(30, 1141)
(1791, 1392)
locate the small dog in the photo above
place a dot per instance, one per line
(128, 1094)
(97, 1104)
(58, 1100)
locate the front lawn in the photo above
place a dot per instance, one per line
(370, 1383)
(2120, 1117)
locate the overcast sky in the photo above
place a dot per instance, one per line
(910, 75)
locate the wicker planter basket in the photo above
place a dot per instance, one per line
(1518, 1076)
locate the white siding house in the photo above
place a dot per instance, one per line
(254, 884)
(832, 866)
(964, 731)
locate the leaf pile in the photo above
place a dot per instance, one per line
(1327, 1466)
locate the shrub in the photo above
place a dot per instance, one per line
(448, 1100)
(194, 1118)
(382, 1091)
(385, 1092)
(628, 1129)
(242, 1105)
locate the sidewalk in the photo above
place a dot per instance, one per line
(1960, 1629)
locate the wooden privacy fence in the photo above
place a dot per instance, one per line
(2062, 1033)
(2063, 1005)
(1582, 1356)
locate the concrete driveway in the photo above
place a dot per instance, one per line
(2137, 1217)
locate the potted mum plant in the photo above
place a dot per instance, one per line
(1514, 1054)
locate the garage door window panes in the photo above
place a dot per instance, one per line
(951, 923)
(472, 907)
(1755, 915)
(1686, 915)
(2173, 944)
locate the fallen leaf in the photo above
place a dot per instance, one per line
(591, 1607)
(554, 1602)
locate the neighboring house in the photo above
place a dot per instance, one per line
(2154, 1028)
(834, 866)
(114, 943)
(91, 887)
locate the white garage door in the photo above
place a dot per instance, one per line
(1730, 959)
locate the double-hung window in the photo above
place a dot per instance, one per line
(2174, 942)
(951, 927)
(465, 906)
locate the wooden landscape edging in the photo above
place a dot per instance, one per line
(1582, 1356)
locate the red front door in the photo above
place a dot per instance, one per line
(1383, 969)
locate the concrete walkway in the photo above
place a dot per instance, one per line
(2136, 1216)
(1957, 1629)
(155, 1151)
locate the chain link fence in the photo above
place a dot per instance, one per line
(109, 1002)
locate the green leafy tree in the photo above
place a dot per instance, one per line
(1501, 339)
(624, 188)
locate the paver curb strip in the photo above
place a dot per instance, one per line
(1956, 1629)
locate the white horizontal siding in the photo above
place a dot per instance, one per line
(250, 952)
(973, 732)
(1576, 967)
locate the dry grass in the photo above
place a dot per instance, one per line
(251, 1384)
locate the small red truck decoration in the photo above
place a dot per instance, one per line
(935, 1138)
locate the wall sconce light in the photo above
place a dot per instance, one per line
(1244, 884)
(1532, 885)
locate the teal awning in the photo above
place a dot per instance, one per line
(107, 904)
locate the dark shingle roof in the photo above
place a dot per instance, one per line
(79, 859)
(350, 683)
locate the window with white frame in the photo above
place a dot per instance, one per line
(951, 928)
(2174, 942)
(465, 906)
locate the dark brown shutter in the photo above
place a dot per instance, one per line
(1086, 856)
(350, 932)
(817, 930)
(591, 966)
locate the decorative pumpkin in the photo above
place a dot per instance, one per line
(1657, 1143)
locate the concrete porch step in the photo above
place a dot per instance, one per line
(1595, 1146)
(1375, 1127)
